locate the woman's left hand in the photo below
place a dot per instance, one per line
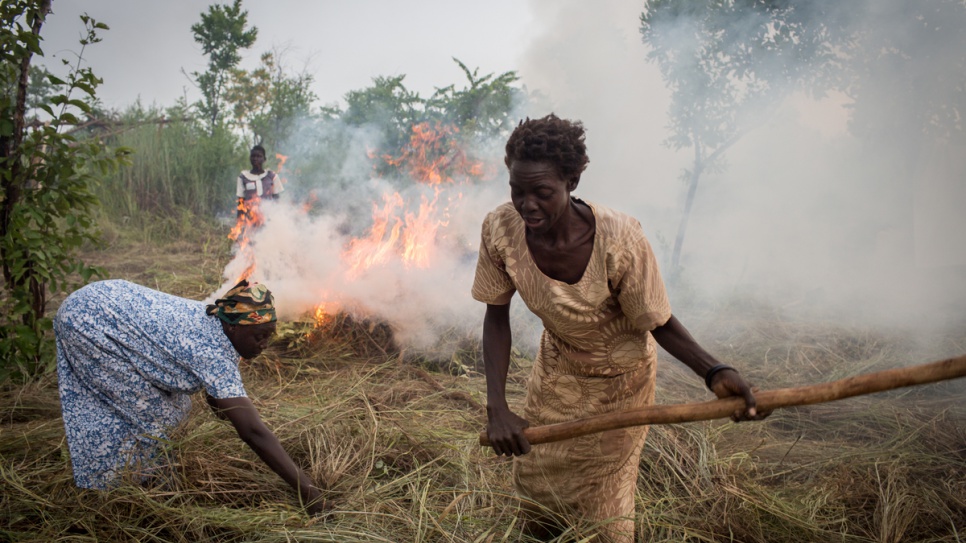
(728, 383)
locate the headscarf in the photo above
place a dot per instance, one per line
(245, 304)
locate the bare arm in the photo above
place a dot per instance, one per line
(244, 417)
(504, 427)
(674, 338)
(213, 404)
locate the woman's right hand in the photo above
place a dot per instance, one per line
(504, 429)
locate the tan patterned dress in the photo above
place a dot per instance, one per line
(596, 356)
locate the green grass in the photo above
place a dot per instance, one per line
(395, 444)
(175, 168)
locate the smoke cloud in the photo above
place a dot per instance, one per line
(848, 204)
(302, 252)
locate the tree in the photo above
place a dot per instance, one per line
(483, 108)
(47, 203)
(221, 34)
(387, 106)
(723, 61)
(901, 64)
(268, 103)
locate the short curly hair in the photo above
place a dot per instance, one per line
(550, 139)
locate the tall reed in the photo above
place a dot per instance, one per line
(176, 167)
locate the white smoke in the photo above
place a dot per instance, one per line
(301, 255)
(805, 213)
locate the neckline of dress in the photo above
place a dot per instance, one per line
(254, 176)
(593, 251)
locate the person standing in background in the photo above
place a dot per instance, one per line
(256, 184)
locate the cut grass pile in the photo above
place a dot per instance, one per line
(393, 439)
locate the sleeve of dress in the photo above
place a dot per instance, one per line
(215, 364)
(223, 380)
(492, 284)
(239, 187)
(637, 280)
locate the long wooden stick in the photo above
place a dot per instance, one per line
(768, 400)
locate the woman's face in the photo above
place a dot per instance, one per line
(539, 194)
(249, 339)
(257, 158)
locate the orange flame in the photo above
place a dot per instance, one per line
(310, 201)
(279, 178)
(432, 157)
(250, 217)
(363, 253)
(433, 154)
(325, 312)
(420, 234)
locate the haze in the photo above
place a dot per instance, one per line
(796, 219)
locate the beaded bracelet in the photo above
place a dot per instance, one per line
(711, 373)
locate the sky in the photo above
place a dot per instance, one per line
(345, 44)
(797, 215)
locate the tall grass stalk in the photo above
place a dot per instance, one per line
(176, 168)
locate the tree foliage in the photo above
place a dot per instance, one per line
(903, 65)
(45, 188)
(268, 102)
(221, 33)
(387, 106)
(482, 109)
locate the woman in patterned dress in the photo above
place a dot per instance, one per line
(128, 359)
(590, 275)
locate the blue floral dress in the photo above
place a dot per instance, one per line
(128, 359)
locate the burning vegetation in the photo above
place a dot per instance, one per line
(407, 230)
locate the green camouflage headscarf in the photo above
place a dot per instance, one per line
(245, 304)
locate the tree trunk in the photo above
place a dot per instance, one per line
(701, 163)
(688, 202)
(13, 186)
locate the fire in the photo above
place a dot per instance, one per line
(405, 229)
(376, 248)
(433, 153)
(250, 217)
(281, 168)
(325, 312)
(310, 201)
(420, 232)
(432, 157)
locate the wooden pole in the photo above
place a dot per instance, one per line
(772, 399)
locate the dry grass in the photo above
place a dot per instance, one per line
(394, 442)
